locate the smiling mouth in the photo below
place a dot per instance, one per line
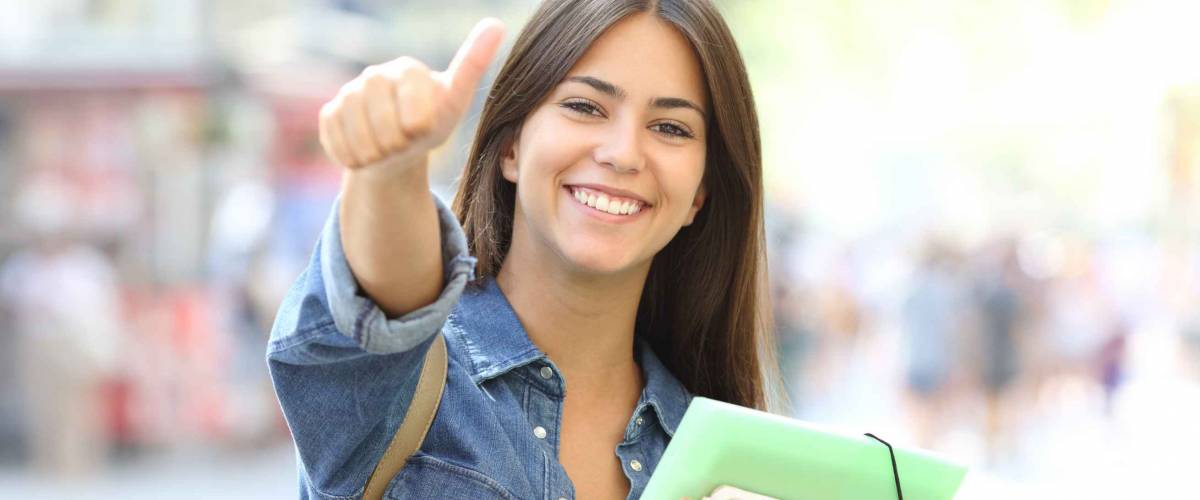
(604, 202)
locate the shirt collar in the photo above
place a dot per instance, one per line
(663, 391)
(486, 328)
(484, 324)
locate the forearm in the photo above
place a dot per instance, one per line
(389, 230)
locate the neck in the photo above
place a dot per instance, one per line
(583, 322)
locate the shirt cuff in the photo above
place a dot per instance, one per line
(359, 317)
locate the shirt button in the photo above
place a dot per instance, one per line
(547, 372)
(539, 432)
(639, 420)
(635, 465)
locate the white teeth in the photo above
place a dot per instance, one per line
(605, 204)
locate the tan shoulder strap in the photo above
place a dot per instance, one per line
(416, 421)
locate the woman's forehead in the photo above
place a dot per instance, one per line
(646, 57)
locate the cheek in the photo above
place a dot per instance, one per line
(685, 179)
(551, 152)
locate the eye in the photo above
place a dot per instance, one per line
(673, 129)
(582, 107)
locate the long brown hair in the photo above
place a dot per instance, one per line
(704, 308)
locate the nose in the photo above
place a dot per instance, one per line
(621, 149)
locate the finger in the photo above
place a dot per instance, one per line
(414, 98)
(473, 58)
(382, 112)
(358, 131)
(329, 127)
(337, 135)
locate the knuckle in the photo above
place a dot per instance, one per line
(407, 62)
(409, 67)
(350, 102)
(375, 79)
(328, 110)
(420, 118)
(419, 127)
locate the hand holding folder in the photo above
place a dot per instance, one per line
(719, 444)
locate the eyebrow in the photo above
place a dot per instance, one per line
(619, 93)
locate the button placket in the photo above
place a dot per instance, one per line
(635, 427)
(544, 387)
(547, 377)
(542, 407)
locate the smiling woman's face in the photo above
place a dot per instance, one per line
(624, 132)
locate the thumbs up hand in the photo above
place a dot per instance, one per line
(390, 116)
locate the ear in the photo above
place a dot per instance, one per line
(508, 157)
(697, 204)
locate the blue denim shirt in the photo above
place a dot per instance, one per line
(344, 374)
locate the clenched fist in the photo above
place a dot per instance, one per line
(392, 114)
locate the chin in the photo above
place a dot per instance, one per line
(600, 260)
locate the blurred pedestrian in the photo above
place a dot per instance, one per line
(999, 309)
(932, 324)
(64, 301)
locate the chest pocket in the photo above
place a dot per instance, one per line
(424, 476)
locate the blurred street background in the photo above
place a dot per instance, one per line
(984, 224)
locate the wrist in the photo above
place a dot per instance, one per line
(388, 179)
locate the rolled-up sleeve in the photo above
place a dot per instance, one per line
(327, 293)
(343, 371)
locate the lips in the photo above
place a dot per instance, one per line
(602, 202)
(614, 211)
(612, 192)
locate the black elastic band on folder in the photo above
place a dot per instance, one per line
(895, 471)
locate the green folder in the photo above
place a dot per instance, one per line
(722, 444)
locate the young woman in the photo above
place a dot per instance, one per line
(604, 262)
